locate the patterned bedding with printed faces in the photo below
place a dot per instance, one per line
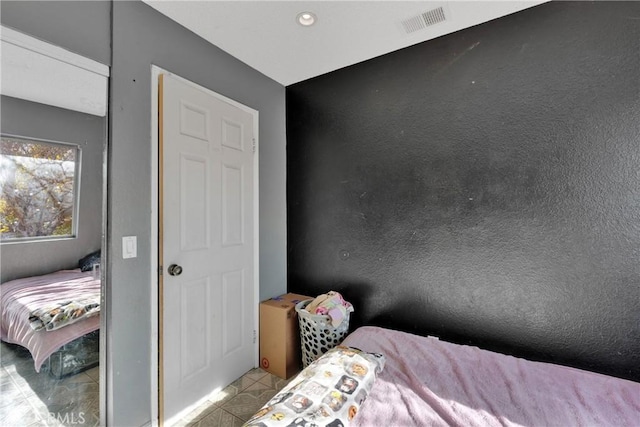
(63, 313)
(328, 392)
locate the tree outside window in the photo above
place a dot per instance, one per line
(38, 187)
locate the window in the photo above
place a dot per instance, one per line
(39, 182)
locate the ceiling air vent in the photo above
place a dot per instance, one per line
(424, 20)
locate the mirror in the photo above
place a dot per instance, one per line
(52, 181)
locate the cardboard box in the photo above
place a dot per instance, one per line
(280, 352)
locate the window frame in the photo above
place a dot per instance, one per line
(77, 173)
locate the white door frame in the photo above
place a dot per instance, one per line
(155, 333)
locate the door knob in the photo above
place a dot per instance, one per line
(174, 270)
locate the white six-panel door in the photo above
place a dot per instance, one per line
(206, 228)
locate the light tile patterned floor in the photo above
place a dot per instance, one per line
(29, 398)
(234, 405)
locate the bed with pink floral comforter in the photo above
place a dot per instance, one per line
(21, 298)
(428, 382)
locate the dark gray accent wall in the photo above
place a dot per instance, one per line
(82, 27)
(33, 120)
(142, 37)
(483, 187)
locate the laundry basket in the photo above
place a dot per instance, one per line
(317, 335)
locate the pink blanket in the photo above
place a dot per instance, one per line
(18, 298)
(427, 382)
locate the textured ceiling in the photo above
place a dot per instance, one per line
(265, 35)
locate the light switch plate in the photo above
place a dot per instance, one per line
(129, 247)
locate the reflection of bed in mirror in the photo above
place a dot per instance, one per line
(51, 93)
(56, 317)
(43, 86)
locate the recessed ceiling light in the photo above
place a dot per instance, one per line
(306, 19)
